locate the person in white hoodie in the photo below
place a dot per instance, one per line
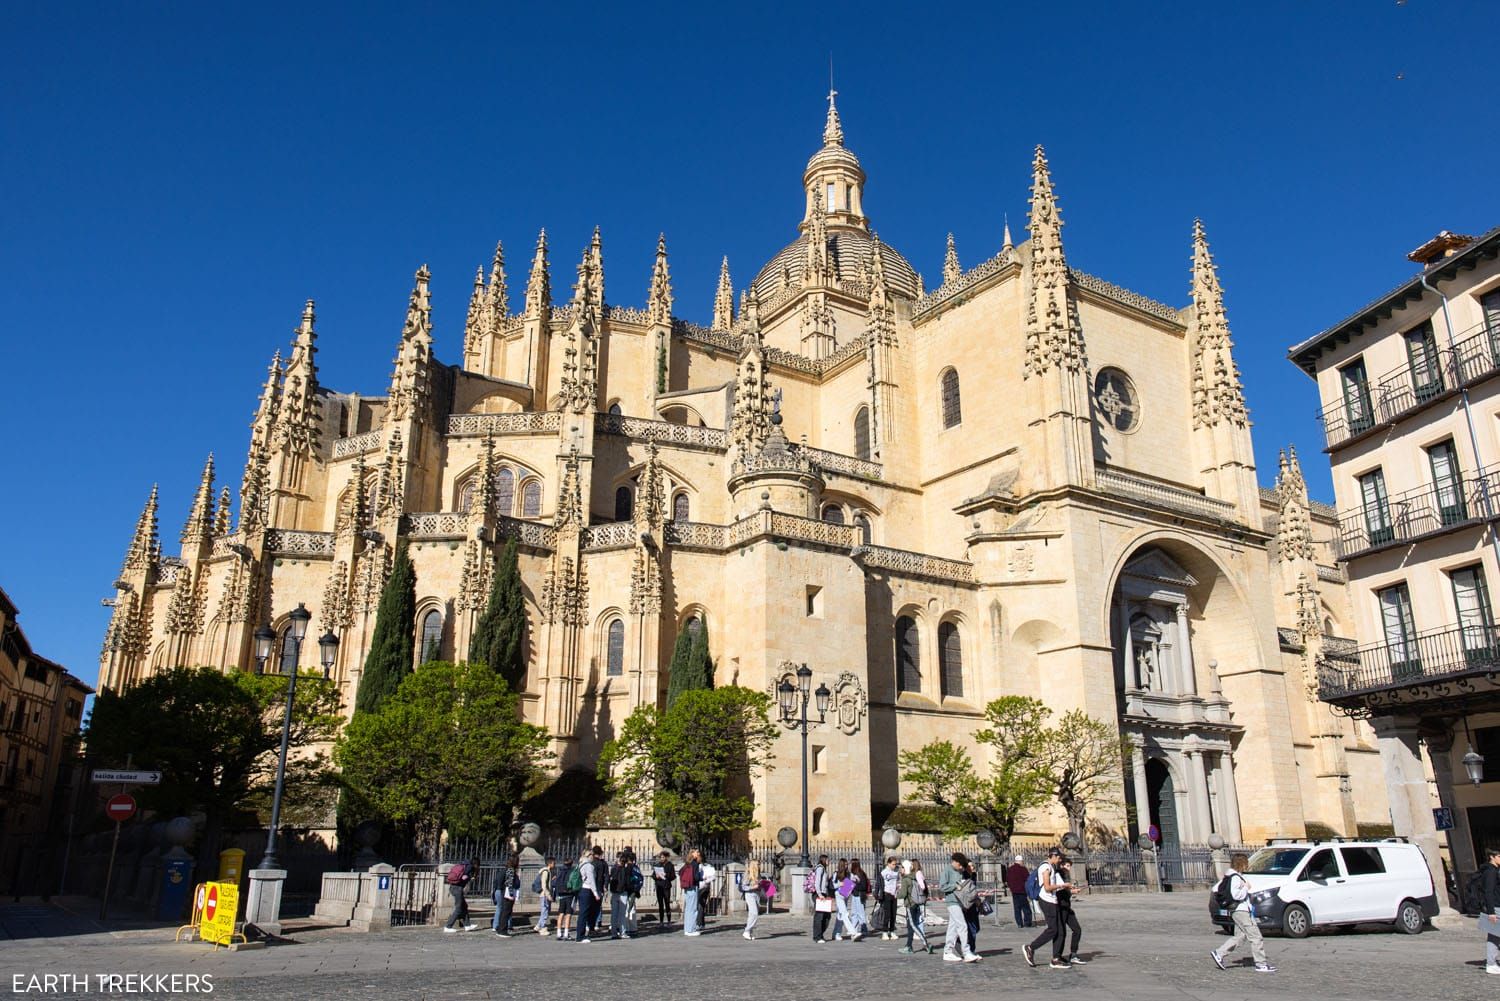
(1243, 916)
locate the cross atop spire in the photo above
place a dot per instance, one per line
(833, 130)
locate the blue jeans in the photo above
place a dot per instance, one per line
(545, 903)
(1022, 906)
(588, 903)
(690, 911)
(914, 926)
(501, 920)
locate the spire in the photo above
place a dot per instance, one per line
(750, 421)
(580, 369)
(499, 294)
(254, 485)
(145, 547)
(200, 520)
(1054, 338)
(951, 270)
(1007, 244)
(569, 496)
(410, 384)
(223, 514)
(1294, 524)
(299, 420)
(1217, 393)
(750, 313)
(659, 299)
(596, 261)
(650, 502)
(880, 317)
(484, 479)
(724, 299)
(538, 283)
(818, 267)
(474, 320)
(833, 130)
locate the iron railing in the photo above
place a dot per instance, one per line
(1436, 655)
(1408, 516)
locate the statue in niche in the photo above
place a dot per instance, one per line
(1146, 666)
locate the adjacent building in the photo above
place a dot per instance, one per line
(1410, 387)
(41, 711)
(1019, 478)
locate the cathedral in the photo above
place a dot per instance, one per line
(1024, 480)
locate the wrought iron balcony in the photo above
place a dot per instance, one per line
(1451, 664)
(1416, 514)
(1475, 355)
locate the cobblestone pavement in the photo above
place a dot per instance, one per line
(1140, 947)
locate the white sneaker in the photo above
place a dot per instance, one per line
(949, 957)
(449, 931)
(471, 926)
(1493, 969)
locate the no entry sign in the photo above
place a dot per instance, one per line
(120, 808)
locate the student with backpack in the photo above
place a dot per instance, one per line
(566, 884)
(1233, 894)
(911, 893)
(818, 884)
(663, 875)
(545, 895)
(624, 882)
(507, 890)
(1049, 880)
(588, 895)
(690, 877)
(958, 893)
(457, 881)
(886, 888)
(1018, 880)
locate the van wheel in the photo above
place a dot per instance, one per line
(1410, 919)
(1295, 921)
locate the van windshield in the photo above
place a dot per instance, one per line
(1276, 861)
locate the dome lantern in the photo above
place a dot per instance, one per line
(835, 173)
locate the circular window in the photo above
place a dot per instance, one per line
(1116, 400)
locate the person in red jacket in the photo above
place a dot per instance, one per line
(1015, 880)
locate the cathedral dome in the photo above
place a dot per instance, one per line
(850, 251)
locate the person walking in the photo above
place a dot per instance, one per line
(638, 880)
(663, 874)
(750, 889)
(885, 897)
(458, 879)
(623, 883)
(1049, 881)
(1067, 919)
(843, 889)
(971, 911)
(1488, 892)
(546, 894)
(565, 886)
(857, 912)
(601, 887)
(1016, 876)
(507, 890)
(589, 889)
(823, 905)
(1236, 887)
(690, 877)
(958, 892)
(911, 892)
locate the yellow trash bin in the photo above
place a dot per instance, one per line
(231, 864)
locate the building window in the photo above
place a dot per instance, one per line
(1400, 634)
(531, 499)
(817, 821)
(950, 661)
(466, 496)
(1357, 410)
(614, 650)
(1115, 398)
(908, 656)
(820, 759)
(814, 601)
(624, 504)
(1422, 357)
(505, 493)
(1476, 624)
(680, 507)
(1487, 743)
(1490, 303)
(833, 514)
(862, 433)
(614, 409)
(952, 411)
(1447, 482)
(863, 524)
(432, 636)
(832, 196)
(1377, 509)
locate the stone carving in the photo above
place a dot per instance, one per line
(1217, 394)
(1021, 561)
(1293, 526)
(540, 422)
(724, 300)
(289, 542)
(1054, 336)
(411, 380)
(475, 579)
(298, 427)
(186, 608)
(849, 703)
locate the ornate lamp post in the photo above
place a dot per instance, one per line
(791, 697)
(291, 651)
(1473, 761)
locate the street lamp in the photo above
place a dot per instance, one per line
(291, 649)
(794, 699)
(1473, 761)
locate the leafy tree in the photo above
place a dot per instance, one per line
(500, 636)
(393, 642)
(215, 738)
(693, 762)
(448, 751)
(692, 668)
(1085, 759)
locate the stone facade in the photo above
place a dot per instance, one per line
(930, 497)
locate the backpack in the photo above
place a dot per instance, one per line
(634, 880)
(575, 879)
(1474, 892)
(1224, 896)
(458, 875)
(1034, 884)
(810, 882)
(685, 876)
(536, 884)
(965, 892)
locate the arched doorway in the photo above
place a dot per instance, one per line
(1163, 805)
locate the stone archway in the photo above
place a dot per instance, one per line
(1163, 799)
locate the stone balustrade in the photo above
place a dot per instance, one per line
(614, 535)
(294, 542)
(528, 422)
(357, 444)
(1160, 494)
(906, 563)
(663, 431)
(437, 524)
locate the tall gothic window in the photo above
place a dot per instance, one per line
(466, 496)
(863, 524)
(505, 492)
(952, 411)
(614, 409)
(624, 504)
(908, 658)
(833, 514)
(950, 661)
(432, 636)
(531, 499)
(680, 507)
(862, 433)
(614, 649)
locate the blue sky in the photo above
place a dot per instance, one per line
(178, 180)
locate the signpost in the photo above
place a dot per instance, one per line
(120, 808)
(1442, 818)
(107, 777)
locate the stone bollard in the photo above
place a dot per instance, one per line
(263, 905)
(800, 902)
(734, 900)
(1149, 869)
(373, 912)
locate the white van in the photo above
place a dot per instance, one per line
(1296, 887)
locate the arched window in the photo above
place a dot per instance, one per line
(614, 409)
(863, 524)
(680, 507)
(862, 433)
(531, 499)
(624, 503)
(950, 661)
(952, 412)
(693, 625)
(466, 496)
(614, 649)
(908, 657)
(431, 645)
(289, 649)
(833, 514)
(505, 492)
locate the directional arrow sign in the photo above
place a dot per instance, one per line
(126, 778)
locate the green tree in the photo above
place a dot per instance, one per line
(215, 738)
(393, 641)
(448, 751)
(500, 635)
(692, 669)
(1085, 759)
(693, 762)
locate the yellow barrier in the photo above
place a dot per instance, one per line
(215, 906)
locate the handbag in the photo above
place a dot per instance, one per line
(824, 905)
(985, 907)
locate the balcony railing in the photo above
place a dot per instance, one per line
(1475, 355)
(1409, 516)
(1440, 655)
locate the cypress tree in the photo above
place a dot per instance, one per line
(691, 667)
(394, 640)
(500, 636)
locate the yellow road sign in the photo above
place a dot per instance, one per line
(221, 902)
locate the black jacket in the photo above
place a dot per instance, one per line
(1489, 890)
(601, 873)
